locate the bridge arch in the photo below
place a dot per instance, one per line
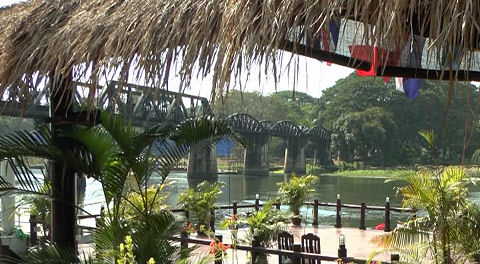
(255, 136)
(320, 137)
(318, 133)
(286, 129)
(245, 123)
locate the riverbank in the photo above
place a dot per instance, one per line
(381, 173)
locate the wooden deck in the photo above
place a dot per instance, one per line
(358, 243)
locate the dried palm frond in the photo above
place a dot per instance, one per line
(223, 37)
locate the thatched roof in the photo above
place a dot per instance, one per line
(220, 36)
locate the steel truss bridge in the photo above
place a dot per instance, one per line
(144, 106)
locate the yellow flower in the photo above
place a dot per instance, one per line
(151, 261)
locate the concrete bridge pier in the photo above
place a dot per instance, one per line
(256, 155)
(295, 157)
(321, 155)
(202, 165)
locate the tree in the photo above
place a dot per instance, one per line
(355, 94)
(370, 134)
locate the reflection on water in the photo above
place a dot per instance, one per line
(372, 191)
(354, 190)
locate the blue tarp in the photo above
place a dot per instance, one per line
(225, 147)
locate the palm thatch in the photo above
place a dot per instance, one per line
(55, 37)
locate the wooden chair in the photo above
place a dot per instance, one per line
(311, 244)
(285, 241)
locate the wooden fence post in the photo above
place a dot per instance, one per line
(235, 208)
(257, 202)
(218, 238)
(315, 212)
(342, 250)
(338, 222)
(297, 248)
(33, 230)
(183, 240)
(387, 215)
(255, 243)
(363, 207)
(212, 220)
(394, 258)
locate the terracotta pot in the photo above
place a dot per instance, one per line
(296, 220)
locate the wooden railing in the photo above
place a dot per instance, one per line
(296, 254)
(316, 204)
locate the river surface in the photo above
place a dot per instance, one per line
(353, 190)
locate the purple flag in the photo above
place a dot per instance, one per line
(411, 58)
(334, 31)
(409, 86)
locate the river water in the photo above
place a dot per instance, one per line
(243, 189)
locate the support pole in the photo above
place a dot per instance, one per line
(62, 176)
(257, 202)
(8, 200)
(33, 230)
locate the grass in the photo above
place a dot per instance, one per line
(279, 171)
(372, 173)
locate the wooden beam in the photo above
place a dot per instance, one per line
(322, 55)
(396, 71)
(391, 71)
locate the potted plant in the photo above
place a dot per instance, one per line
(265, 225)
(199, 202)
(294, 193)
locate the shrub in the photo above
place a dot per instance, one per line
(200, 201)
(296, 191)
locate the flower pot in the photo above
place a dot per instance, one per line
(296, 220)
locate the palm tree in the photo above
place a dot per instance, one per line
(445, 233)
(111, 153)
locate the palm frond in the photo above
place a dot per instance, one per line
(151, 237)
(48, 253)
(28, 144)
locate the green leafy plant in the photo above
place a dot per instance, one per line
(152, 200)
(296, 191)
(446, 234)
(265, 225)
(200, 201)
